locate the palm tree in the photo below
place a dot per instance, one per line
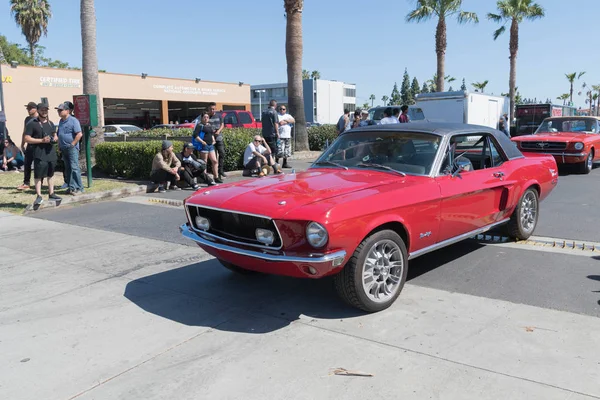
(372, 98)
(32, 16)
(514, 11)
(595, 104)
(315, 75)
(571, 78)
(305, 74)
(432, 83)
(596, 88)
(442, 9)
(480, 85)
(293, 54)
(90, 59)
(385, 100)
(564, 97)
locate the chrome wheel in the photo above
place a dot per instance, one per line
(529, 211)
(590, 161)
(382, 271)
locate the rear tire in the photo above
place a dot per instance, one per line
(237, 269)
(524, 219)
(586, 166)
(375, 274)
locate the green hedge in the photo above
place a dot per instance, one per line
(134, 159)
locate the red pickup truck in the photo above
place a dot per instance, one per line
(232, 119)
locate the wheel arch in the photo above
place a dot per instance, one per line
(396, 226)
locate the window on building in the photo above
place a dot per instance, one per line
(349, 107)
(349, 92)
(278, 92)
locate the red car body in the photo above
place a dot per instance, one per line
(428, 211)
(570, 140)
(232, 119)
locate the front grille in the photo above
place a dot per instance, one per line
(544, 146)
(234, 226)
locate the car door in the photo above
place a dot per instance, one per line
(477, 196)
(230, 120)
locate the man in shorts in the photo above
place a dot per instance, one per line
(40, 134)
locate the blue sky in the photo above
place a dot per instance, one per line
(361, 42)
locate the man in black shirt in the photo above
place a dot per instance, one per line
(270, 125)
(218, 125)
(32, 110)
(40, 135)
(192, 168)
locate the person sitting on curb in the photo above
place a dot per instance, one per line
(165, 168)
(192, 168)
(12, 157)
(258, 158)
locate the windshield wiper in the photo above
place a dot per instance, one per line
(331, 163)
(379, 166)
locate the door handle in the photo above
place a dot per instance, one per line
(499, 175)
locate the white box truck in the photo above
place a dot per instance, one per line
(463, 107)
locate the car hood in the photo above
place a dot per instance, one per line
(552, 137)
(278, 195)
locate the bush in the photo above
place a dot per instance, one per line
(162, 132)
(318, 136)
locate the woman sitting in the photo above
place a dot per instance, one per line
(12, 157)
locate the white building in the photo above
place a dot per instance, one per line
(324, 101)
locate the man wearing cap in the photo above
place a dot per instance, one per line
(165, 168)
(192, 168)
(69, 135)
(32, 110)
(40, 135)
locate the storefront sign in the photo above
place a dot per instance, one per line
(50, 81)
(86, 109)
(7, 79)
(192, 90)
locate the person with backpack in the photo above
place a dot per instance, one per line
(203, 140)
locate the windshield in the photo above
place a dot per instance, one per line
(568, 125)
(407, 152)
(130, 128)
(414, 113)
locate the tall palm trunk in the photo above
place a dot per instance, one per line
(90, 60)
(32, 53)
(440, 49)
(293, 53)
(512, 80)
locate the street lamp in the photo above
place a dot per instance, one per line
(260, 92)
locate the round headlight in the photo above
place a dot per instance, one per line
(202, 223)
(316, 235)
(578, 146)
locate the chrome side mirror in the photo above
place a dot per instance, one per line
(462, 165)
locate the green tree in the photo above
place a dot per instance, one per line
(13, 52)
(415, 89)
(451, 89)
(425, 88)
(315, 75)
(396, 97)
(385, 100)
(515, 12)
(571, 78)
(442, 9)
(305, 74)
(432, 83)
(564, 97)
(406, 95)
(463, 87)
(480, 86)
(32, 17)
(372, 98)
(365, 105)
(294, 49)
(596, 88)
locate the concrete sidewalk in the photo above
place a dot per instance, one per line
(122, 317)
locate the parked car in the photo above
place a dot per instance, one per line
(415, 114)
(378, 197)
(114, 130)
(232, 119)
(164, 126)
(571, 140)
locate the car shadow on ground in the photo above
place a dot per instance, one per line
(573, 169)
(595, 277)
(192, 295)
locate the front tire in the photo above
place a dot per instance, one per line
(236, 269)
(375, 274)
(525, 217)
(586, 166)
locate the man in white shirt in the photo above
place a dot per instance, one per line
(388, 118)
(284, 144)
(257, 158)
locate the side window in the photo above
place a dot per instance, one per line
(497, 158)
(231, 118)
(245, 118)
(472, 152)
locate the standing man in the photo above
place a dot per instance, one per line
(388, 118)
(404, 116)
(218, 125)
(69, 135)
(32, 110)
(40, 135)
(503, 125)
(284, 148)
(270, 125)
(343, 123)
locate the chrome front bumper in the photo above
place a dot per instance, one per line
(338, 256)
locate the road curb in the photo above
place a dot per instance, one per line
(87, 197)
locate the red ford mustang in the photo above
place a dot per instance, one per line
(571, 140)
(376, 198)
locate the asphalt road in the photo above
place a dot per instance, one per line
(533, 277)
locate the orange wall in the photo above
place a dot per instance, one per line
(24, 84)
